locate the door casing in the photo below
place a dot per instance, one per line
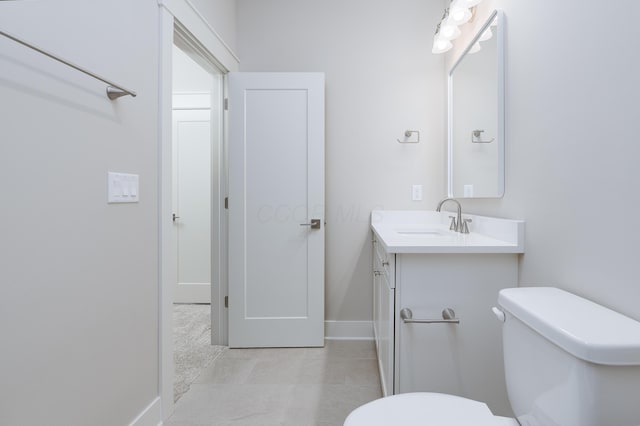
(178, 16)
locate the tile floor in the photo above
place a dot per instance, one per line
(282, 387)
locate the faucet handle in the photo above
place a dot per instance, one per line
(465, 226)
(453, 226)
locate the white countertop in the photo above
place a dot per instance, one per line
(428, 232)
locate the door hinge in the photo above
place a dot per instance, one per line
(226, 203)
(226, 104)
(226, 301)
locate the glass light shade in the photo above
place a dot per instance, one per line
(486, 35)
(448, 30)
(458, 15)
(441, 45)
(469, 3)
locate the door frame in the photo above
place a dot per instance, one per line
(179, 16)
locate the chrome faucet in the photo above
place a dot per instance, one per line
(457, 223)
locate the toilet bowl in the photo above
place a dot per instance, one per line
(568, 362)
(426, 409)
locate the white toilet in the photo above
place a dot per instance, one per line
(568, 362)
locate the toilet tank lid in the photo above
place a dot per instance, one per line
(583, 328)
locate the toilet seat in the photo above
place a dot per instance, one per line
(425, 409)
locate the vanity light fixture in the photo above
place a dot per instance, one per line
(445, 32)
(469, 3)
(440, 44)
(449, 30)
(458, 13)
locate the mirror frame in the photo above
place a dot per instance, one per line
(500, 58)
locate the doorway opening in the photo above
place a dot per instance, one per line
(197, 142)
(182, 26)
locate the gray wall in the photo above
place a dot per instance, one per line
(571, 143)
(572, 146)
(221, 16)
(78, 277)
(381, 80)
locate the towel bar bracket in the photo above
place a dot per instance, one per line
(448, 316)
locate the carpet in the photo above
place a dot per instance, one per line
(192, 345)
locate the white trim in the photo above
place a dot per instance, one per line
(181, 14)
(150, 416)
(198, 92)
(193, 293)
(168, 270)
(191, 100)
(185, 12)
(348, 330)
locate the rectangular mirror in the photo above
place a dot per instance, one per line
(476, 115)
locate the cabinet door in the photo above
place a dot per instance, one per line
(376, 295)
(386, 335)
(383, 315)
(464, 359)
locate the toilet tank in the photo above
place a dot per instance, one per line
(569, 361)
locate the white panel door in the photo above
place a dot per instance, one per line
(192, 204)
(276, 188)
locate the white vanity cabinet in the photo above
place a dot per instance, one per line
(383, 313)
(428, 274)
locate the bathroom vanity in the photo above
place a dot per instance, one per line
(419, 264)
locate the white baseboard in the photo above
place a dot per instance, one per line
(348, 330)
(150, 416)
(192, 293)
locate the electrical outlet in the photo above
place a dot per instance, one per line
(468, 190)
(416, 193)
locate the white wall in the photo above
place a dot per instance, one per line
(78, 277)
(381, 79)
(188, 76)
(221, 16)
(572, 145)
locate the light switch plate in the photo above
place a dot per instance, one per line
(122, 188)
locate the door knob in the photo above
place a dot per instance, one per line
(315, 224)
(174, 217)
